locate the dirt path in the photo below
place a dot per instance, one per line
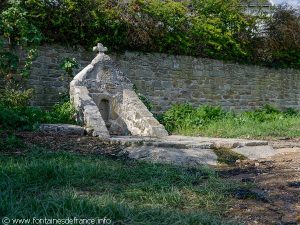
(277, 192)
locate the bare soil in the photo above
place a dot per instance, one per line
(276, 198)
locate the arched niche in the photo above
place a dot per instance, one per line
(104, 108)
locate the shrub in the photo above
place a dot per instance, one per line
(176, 115)
(69, 65)
(216, 29)
(207, 28)
(157, 25)
(147, 25)
(29, 118)
(185, 116)
(3, 5)
(17, 31)
(74, 22)
(62, 113)
(284, 36)
(15, 98)
(20, 118)
(15, 113)
(280, 44)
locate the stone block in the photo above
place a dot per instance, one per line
(62, 129)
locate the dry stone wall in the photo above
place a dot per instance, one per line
(167, 80)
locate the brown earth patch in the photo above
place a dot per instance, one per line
(277, 182)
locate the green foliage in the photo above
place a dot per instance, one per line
(62, 113)
(185, 115)
(3, 5)
(14, 111)
(17, 28)
(207, 28)
(213, 121)
(17, 31)
(161, 25)
(147, 25)
(279, 46)
(69, 65)
(15, 98)
(20, 118)
(15, 114)
(29, 118)
(8, 62)
(74, 22)
(217, 27)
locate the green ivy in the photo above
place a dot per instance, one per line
(69, 65)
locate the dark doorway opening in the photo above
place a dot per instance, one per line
(104, 110)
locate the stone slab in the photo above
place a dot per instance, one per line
(256, 152)
(217, 142)
(189, 151)
(62, 129)
(182, 157)
(176, 141)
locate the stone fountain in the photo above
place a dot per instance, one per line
(106, 103)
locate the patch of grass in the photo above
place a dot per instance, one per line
(232, 128)
(41, 183)
(215, 122)
(228, 156)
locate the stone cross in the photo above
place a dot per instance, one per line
(100, 48)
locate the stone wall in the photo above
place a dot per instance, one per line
(167, 80)
(48, 79)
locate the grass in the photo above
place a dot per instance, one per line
(210, 121)
(233, 128)
(40, 183)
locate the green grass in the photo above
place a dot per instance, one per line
(267, 122)
(232, 128)
(41, 183)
